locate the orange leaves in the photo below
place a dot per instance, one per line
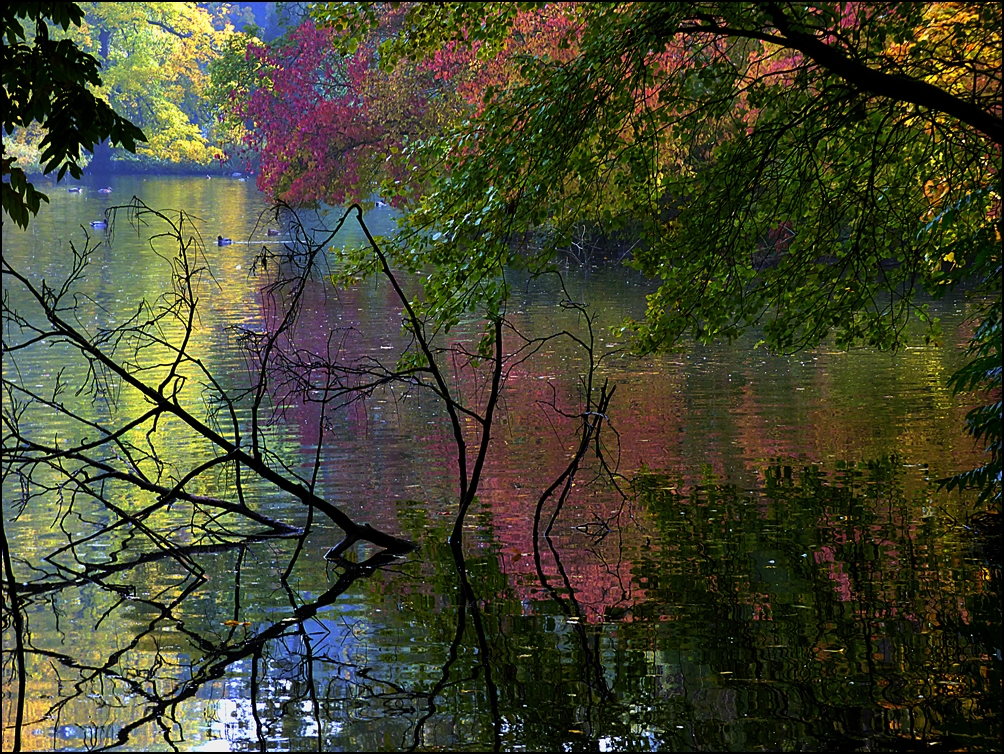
(478, 72)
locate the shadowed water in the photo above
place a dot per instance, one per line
(766, 562)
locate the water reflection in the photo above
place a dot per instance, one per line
(765, 562)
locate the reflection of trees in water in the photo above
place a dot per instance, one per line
(303, 675)
(142, 524)
(713, 672)
(833, 598)
(806, 611)
(138, 687)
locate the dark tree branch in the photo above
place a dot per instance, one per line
(170, 29)
(896, 87)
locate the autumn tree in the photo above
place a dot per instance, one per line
(325, 122)
(811, 171)
(154, 59)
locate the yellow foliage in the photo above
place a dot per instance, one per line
(958, 49)
(22, 146)
(154, 59)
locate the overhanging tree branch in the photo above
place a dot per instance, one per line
(894, 86)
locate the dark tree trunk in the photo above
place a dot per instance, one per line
(101, 161)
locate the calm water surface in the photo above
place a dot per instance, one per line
(771, 567)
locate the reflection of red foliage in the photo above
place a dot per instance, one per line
(530, 450)
(599, 575)
(667, 417)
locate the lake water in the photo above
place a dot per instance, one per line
(770, 566)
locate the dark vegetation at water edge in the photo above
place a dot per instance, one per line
(147, 168)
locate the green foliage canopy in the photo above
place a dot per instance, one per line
(47, 81)
(784, 166)
(806, 169)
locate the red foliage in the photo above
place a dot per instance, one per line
(331, 128)
(323, 123)
(550, 33)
